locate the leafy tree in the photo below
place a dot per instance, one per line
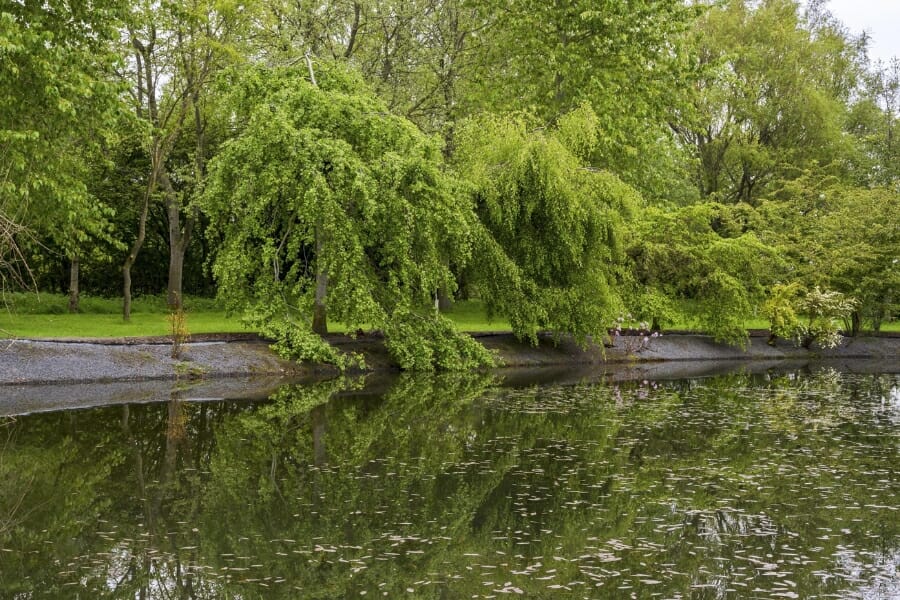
(838, 237)
(702, 262)
(420, 56)
(631, 61)
(177, 52)
(772, 97)
(874, 121)
(328, 206)
(552, 224)
(58, 106)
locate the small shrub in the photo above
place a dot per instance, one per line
(178, 329)
(807, 317)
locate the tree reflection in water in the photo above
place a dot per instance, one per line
(450, 486)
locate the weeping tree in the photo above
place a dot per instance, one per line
(327, 206)
(550, 237)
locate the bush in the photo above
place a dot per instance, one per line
(807, 316)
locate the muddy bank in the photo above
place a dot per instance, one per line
(28, 362)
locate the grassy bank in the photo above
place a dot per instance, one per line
(46, 315)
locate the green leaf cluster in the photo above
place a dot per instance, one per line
(704, 259)
(808, 316)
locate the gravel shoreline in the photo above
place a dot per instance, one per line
(33, 361)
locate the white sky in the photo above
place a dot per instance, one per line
(880, 18)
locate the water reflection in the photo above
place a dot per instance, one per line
(441, 486)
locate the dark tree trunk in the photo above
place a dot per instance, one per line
(179, 238)
(73, 285)
(855, 323)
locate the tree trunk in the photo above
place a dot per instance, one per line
(179, 238)
(855, 323)
(132, 256)
(73, 285)
(444, 299)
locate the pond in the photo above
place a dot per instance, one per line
(736, 486)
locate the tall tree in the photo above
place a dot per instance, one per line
(177, 51)
(772, 97)
(874, 120)
(418, 54)
(552, 224)
(630, 61)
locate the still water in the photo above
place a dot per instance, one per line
(738, 486)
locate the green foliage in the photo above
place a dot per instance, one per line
(551, 224)
(824, 310)
(702, 257)
(421, 342)
(293, 341)
(808, 316)
(321, 178)
(771, 99)
(841, 238)
(59, 106)
(631, 61)
(781, 310)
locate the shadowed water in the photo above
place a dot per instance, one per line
(738, 486)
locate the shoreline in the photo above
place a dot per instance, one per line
(50, 375)
(216, 356)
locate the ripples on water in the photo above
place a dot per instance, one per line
(781, 486)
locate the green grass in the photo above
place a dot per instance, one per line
(45, 315)
(471, 315)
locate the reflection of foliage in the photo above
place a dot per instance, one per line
(329, 490)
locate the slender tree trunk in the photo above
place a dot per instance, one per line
(132, 257)
(444, 299)
(855, 323)
(73, 285)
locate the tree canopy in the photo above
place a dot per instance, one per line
(321, 180)
(552, 222)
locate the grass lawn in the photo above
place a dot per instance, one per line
(30, 315)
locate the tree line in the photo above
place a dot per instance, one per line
(567, 162)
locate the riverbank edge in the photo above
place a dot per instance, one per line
(51, 361)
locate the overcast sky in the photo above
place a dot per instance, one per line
(880, 18)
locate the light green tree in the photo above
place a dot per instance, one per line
(701, 263)
(329, 207)
(177, 50)
(772, 97)
(552, 224)
(59, 106)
